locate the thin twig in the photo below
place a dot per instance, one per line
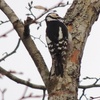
(44, 94)
(53, 7)
(84, 87)
(5, 34)
(2, 93)
(82, 94)
(2, 22)
(60, 4)
(23, 96)
(39, 38)
(14, 51)
(92, 98)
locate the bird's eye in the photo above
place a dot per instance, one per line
(56, 14)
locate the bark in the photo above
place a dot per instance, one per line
(28, 42)
(81, 16)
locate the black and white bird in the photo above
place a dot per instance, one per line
(57, 38)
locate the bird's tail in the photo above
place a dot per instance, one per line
(59, 66)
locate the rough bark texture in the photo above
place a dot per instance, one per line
(81, 16)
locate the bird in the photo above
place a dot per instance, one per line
(57, 38)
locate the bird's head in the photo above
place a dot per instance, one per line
(53, 17)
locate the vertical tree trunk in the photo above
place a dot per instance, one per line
(81, 16)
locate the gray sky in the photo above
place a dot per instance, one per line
(21, 61)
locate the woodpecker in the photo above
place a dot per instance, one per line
(57, 38)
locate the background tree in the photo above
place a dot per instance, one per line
(80, 25)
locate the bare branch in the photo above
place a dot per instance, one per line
(14, 51)
(25, 91)
(5, 34)
(34, 53)
(89, 86)
(84, 87)
(82, 94)
(11, 72)
(44, 94)
(60, 4)
(39, 38)
(18, 80)
(2, 22)
(94, 98)
(30, 10)
(2, 93)
(96, 79)
(92, 85)
(30, 95)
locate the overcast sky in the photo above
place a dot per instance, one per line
(22, 62)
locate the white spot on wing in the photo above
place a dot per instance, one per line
(60, 34)
(48, 40)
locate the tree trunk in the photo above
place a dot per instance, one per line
(79, 19)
